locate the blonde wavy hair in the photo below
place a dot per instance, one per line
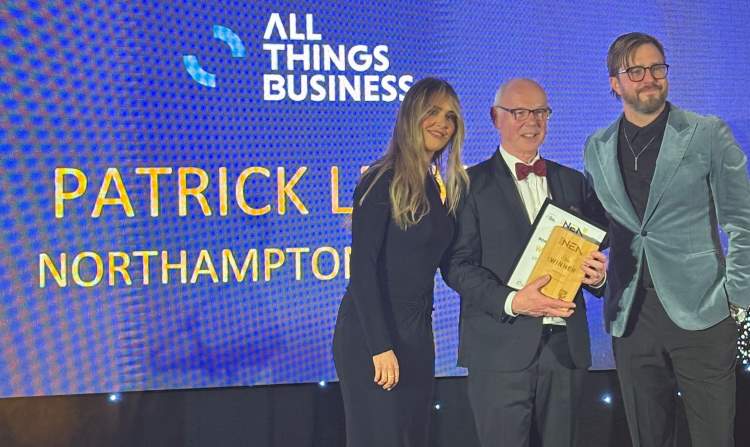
(405, 156)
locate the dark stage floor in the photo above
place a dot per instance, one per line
(290, 415)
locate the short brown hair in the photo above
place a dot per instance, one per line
(623, 48)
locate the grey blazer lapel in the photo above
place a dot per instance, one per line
(607, 156)
(677, 136)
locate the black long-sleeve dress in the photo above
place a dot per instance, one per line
(388, 305)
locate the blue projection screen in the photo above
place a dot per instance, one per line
(176, 176)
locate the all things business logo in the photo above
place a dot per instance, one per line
(204, 77)
(304, 68)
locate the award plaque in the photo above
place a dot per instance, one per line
(561, 258)
(559, 241)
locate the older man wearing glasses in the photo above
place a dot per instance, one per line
(668, 178)
(526, 353)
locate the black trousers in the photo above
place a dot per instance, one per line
(546, 395)
(656, 359)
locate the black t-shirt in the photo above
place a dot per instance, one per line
(645, 143)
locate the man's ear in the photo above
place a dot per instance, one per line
(615, 84)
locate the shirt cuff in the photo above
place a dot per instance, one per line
(601, 283)
(509, 304)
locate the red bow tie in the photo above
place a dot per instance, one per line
(523, 170)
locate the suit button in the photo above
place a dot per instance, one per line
(644, 233)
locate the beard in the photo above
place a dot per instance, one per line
(647, 104)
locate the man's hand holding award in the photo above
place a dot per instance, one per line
(562, 253)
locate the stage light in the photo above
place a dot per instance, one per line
(747, 368)
(437, 406)
(679, 394)
(322, 384)
(114, 398)
(607, 399)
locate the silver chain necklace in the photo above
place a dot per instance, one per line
(643, 149)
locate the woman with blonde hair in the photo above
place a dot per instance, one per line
(383, 344)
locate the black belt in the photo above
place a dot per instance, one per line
(549, 329)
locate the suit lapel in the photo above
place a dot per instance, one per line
(610, 168)
(509, 192)
(556, 190)
(677, 136)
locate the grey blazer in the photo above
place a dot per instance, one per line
(700, 183)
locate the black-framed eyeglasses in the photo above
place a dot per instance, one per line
(520, 114)
(636, 73)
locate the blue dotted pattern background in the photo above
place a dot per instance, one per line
(97, 84)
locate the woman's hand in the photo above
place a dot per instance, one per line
(386, 369)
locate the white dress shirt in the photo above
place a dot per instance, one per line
(533, 190)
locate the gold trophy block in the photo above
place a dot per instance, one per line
(562, 258)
